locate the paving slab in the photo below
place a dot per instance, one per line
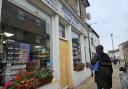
(90, 84)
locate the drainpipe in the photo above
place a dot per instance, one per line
(89, 45)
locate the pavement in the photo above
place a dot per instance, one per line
(90, 84)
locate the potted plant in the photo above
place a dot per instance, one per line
(79, 67)
(44, 76)
(32, 79)
(25, 80)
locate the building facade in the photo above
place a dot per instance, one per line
(114, 54)
(94, 41)
(51, 33)
(123, 50)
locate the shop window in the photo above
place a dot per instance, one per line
(20, 14)
(61, 31)
(77, 61)
(92, 41)
(36, 45)
(26, 49)
(38, 22)
(22, 53)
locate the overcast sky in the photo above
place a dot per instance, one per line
(111, 16)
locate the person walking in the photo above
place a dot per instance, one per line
(103, 75)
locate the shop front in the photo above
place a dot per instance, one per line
(76, 49)
(25, 53)
(80, 73)
(52, 56)
(70, 39)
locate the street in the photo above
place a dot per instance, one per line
(90, 84)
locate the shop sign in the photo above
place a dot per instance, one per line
(68, 16)
(51, 3)
(62, 10)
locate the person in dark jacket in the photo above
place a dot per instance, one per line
(103, 77)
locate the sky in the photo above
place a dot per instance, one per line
(109, 16)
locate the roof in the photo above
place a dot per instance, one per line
(111, 51)
(93, 31)
(123, 43)
(86, 3)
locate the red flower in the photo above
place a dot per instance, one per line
(18, 77)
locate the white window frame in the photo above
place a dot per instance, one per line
(21, 15)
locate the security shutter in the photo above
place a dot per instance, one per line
(19, 18)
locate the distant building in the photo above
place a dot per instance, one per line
(114, 54)
(94, 41)
(123, 50)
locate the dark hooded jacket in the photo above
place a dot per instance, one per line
(103, 77)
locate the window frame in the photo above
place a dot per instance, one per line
(62, 31)
(21, 15)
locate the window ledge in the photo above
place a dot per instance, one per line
(63, 38)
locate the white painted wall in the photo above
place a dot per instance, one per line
(80, 77)
(121, 55)
(116, 54)
(82, 48)
(87, 54)
(95, 41)
(55, 48)
(52, 85)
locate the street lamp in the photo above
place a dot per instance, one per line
(113, 46)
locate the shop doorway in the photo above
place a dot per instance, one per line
(65, 65)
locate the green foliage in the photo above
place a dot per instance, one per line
(42, 74)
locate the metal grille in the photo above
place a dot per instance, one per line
(10, 16)
(124, 80)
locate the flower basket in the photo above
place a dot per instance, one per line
(45, 81)
(24, 86)
(35, 84)
(30, 84)
(88, 65)
(32, 80)
(44, 77)
(79, 67)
